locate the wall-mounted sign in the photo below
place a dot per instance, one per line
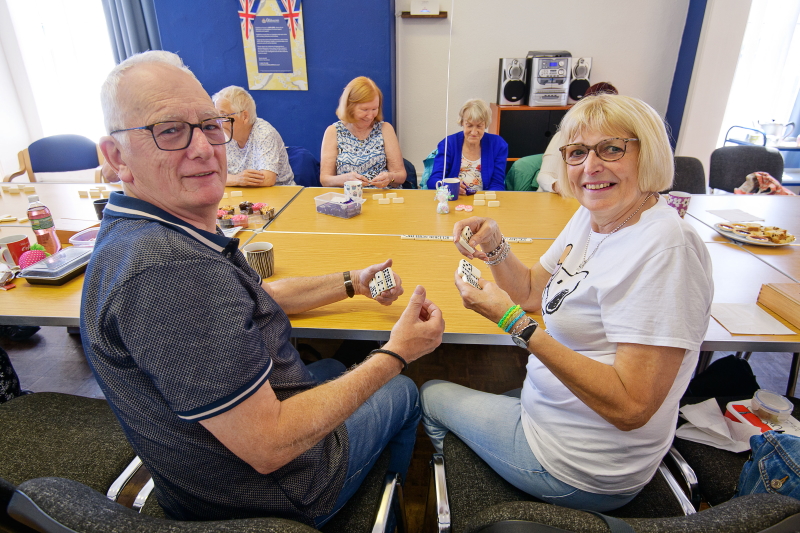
(274, 44)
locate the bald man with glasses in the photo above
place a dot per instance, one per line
(193, 351)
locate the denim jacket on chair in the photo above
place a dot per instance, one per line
(774, 466)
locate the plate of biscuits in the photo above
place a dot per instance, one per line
(754, 233)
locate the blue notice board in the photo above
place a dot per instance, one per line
(273, 47)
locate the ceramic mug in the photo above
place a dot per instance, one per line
(353, 188)
(454, 184)
(679, 200)
(260, 256)
(12, 247)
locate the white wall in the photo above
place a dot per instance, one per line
(714, 67)
(634, 45)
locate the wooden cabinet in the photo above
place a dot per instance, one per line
(527, 130)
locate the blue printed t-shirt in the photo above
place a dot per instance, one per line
(177, 329)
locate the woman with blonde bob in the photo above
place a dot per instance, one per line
(625, 294)
(475, 157)
(361, 146)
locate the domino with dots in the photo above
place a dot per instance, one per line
(465, 267)
(466, 235)
(383, 281)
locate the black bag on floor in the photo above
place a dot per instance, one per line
(9, 382)
(728, 376)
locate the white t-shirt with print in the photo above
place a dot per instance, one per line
(649, 283)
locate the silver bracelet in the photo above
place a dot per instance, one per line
(499, 254)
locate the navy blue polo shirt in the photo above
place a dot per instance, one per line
(177, 329)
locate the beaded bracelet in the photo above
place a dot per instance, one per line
(501, 252)
(522, 324)
(508, 328)
(499, 247)
(396, 356)
(503, 321)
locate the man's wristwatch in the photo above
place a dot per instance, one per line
(348, 284)
(522, 338)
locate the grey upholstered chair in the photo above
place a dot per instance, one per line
(731, 164)
(49, 504)
(60, 435)
(717, 470)
(689, 176)
(473, 498)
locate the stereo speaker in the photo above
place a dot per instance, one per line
(511, 87)
(581, 68)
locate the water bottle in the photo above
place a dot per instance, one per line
(42, 224)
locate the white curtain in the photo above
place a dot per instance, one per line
(767, 79)
(62, 54)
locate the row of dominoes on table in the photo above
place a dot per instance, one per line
(449, 238)
(16, 189)
(388, 198)
(483, 198)
(95, 192)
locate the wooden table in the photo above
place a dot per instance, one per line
(782, 211)
(71, 213)
(521, 214)
(431, 264)
(738, 274)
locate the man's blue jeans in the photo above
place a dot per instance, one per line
(491, 425)
(389, 418)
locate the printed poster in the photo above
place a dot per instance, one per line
(274, 44)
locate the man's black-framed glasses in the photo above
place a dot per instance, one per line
(608, 150)
(176, 135)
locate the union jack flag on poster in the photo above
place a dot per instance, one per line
(273, 39)
(247, 15)
(291, 12)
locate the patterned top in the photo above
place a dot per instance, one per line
(470, 173)
(367, 157)
(177, 329)
(264, 150)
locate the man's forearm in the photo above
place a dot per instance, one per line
(296, 295)
(268, 434)
(308, 417)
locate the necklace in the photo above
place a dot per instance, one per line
(589, 238)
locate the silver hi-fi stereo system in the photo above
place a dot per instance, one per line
(511, 87)
(549, 73)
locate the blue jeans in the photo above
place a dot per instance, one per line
(491, 425)
(389, 418)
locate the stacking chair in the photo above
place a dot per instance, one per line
(411, 175)
(304, 166)
(53, 504)
(717, 470)
(60, 435)
(689, 176)
(59, 153)
(473, 498)
(730, 165)
(473, 490)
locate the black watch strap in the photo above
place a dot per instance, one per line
(348, 284)
(522, 338)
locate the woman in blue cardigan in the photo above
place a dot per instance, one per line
(477, 158)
